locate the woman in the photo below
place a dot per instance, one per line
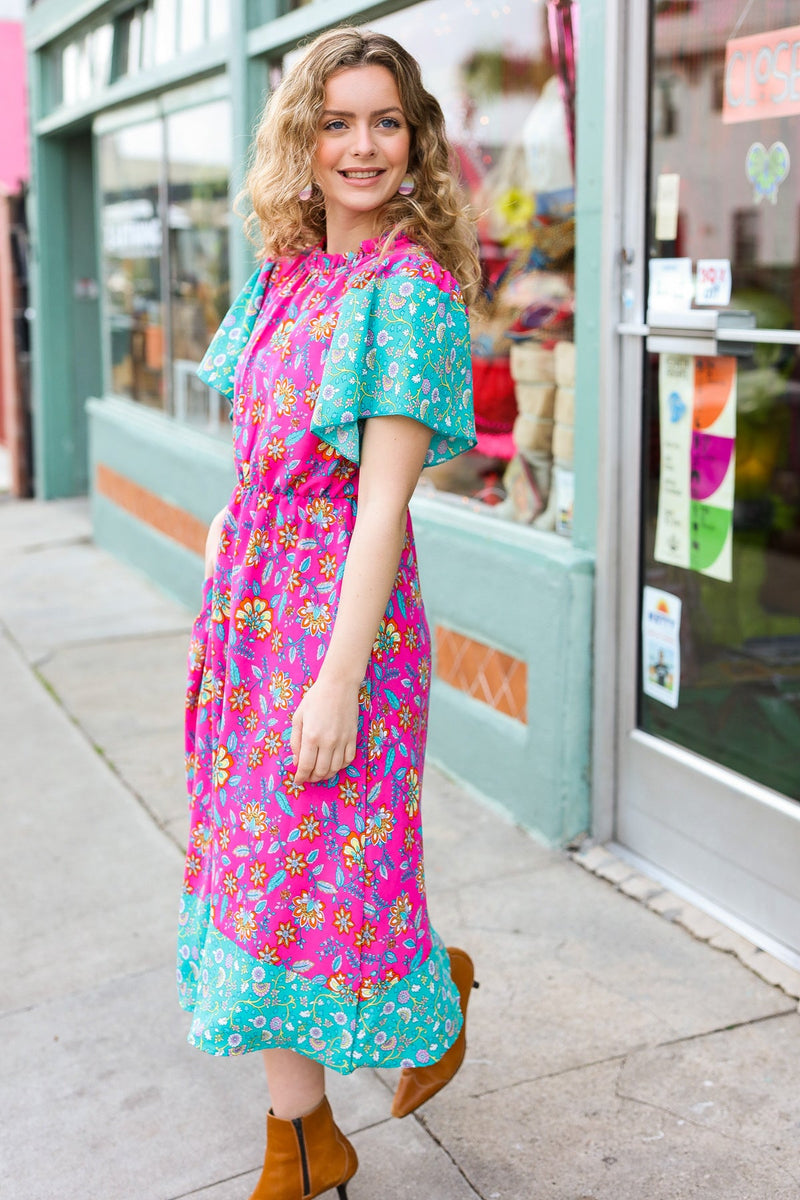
(304, 928)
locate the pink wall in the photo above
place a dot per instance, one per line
(13, 107)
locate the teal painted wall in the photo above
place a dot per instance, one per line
(531, 596)
(57, 462)
(192, 471)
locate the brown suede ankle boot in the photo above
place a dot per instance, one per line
(305, 1157)
(418, 1084)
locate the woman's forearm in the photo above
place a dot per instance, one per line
(369, 576)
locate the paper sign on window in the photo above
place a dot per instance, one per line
(661, 646)
(697, 411)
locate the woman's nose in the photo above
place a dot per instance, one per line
(364, 144)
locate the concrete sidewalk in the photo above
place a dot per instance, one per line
(612, 1056)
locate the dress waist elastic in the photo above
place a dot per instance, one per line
(267, 494)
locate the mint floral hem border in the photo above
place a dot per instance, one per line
(240, 1004)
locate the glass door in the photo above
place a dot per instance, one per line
(710, 752)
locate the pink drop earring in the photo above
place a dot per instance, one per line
(407, 186)
(305, 193)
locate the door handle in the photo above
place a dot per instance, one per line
(700, 332)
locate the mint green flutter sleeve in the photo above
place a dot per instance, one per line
(401, 347)
(219, 362)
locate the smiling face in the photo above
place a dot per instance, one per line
(362, 152)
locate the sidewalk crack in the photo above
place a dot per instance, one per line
(595, 1062)
(677, 1116)
(420, 1119)
(623, 1056)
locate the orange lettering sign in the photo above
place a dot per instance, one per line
(762, 76)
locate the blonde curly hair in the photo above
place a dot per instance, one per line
(436, 215)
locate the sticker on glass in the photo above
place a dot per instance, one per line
(661, 646)
(766, 170)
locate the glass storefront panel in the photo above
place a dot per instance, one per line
(166, 227)
(199, 144)
(720, 668)
(725, 137)
(131, 169)
(505, 77)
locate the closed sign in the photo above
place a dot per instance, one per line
(762, 76)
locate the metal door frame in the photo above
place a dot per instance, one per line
(619, 427)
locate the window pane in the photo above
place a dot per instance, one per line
(130, 166)
(505, 77)
(192, 29)
(219, 18)
(199, 161)
(166, 31)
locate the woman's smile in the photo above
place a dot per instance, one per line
(359, 176)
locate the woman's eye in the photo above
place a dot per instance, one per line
(334, 125)
(390, 123)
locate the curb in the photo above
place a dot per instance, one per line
(600, 861)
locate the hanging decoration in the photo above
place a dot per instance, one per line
(562, 23)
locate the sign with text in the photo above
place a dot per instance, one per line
(762, 76)
(713, 284)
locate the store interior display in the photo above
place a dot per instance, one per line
(522, 190)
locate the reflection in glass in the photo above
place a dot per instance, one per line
(219, 18)
(166, 29)
(130, 169)
(731, 204)
(86, 65)
(199, 157)
(181, 166)
(505, 79)
(192, 33)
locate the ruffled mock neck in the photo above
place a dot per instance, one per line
(320, 258)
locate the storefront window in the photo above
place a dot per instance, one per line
(86, 65)
(145, 35)
(505, 77)
(165, 214)
(130, 170)
(198, 156)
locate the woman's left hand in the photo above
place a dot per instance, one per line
(324, 730)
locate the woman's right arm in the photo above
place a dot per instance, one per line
(212, 541)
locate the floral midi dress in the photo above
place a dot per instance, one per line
(303, 919)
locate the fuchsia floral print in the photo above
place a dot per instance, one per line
(304, 922)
